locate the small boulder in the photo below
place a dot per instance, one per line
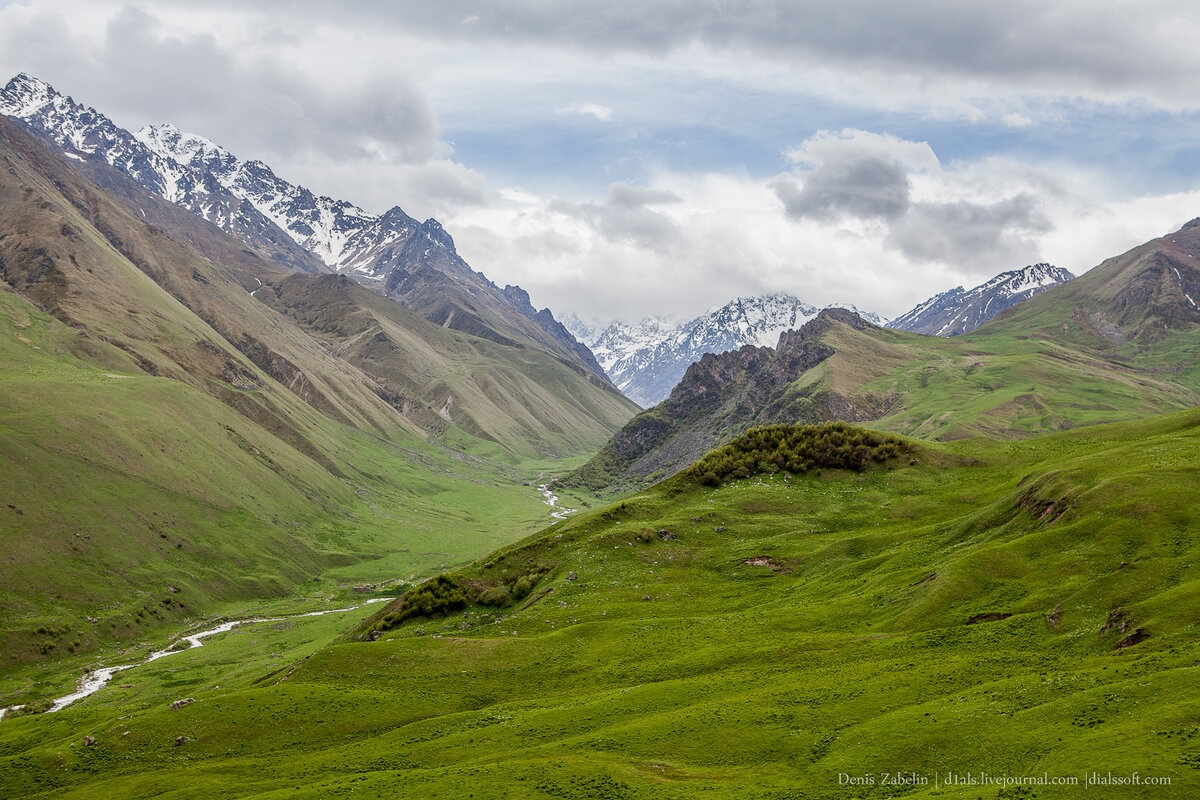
(182, 740)
(665, 535)
(570, 576)
(88, 741)
(178, 704)
(373, 636)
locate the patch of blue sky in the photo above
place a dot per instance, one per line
(730, 131)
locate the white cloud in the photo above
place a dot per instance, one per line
(349, 100)
(1015, 119)
(594, 110)
(686, 242)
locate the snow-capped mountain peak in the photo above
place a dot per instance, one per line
(26, 95)
(339, 233)
(284, 222)
(645, 360)
(242, 197)
(186, 148)
(958, 311)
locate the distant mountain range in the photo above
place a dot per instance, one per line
(1117, 342)
(647, 360)
(958, 311)
(414, 262)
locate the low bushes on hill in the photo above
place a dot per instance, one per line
(797, 449)
(435, 597)
(446, 594)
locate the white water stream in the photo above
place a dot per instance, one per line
(94, 681)
(552, 501)
(97, 679)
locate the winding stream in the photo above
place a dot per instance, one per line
(552, 501)
(96, 679)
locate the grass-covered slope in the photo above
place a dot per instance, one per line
(1117, 343)
(1018, 609)
(132, 504)
(521, 399)
(1139, 296)
(99, 266)
(173, 445)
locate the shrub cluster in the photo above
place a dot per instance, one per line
(797, 449)
(35, 707)
(446, 594)
(515, 587)
(433, 598)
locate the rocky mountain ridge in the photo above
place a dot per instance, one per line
(415, 263)
(958, 311)
(1117, 342)
(646, 360)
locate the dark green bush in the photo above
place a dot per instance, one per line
(36, 707)
(797, 449)
(523, 586)
(434, 598)
(496, 596)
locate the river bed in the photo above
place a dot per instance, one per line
(551, 499)
(95, 680)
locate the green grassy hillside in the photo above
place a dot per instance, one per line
(133, 504)
(95, 264)
(174, 446)
(1117, 343)
(1010, 608)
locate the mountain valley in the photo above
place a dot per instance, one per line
(827, 550)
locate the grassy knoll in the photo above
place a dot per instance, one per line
(1003, 608)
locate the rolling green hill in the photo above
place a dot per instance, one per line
(1010, 608)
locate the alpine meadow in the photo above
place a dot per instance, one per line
(298, 503)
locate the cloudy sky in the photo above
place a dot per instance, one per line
(619, 159)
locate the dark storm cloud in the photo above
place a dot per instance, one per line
(856, 175)
(970, 233)
(1052, 46)
(864, 187)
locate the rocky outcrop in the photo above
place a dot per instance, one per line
(721, 396)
